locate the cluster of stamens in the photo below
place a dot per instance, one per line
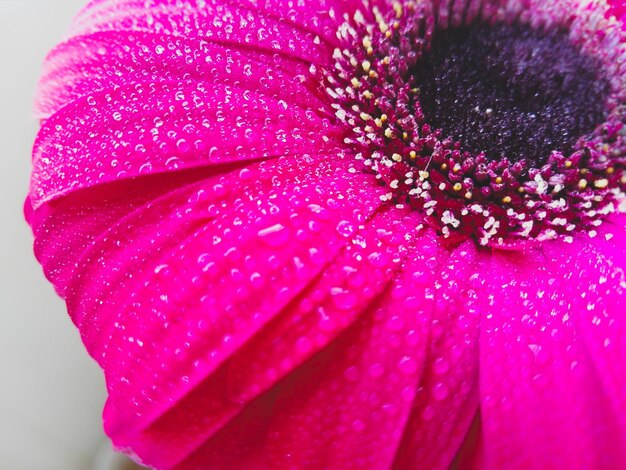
(463, 193)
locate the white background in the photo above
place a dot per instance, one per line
(51, 392)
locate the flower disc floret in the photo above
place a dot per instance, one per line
(504, 124)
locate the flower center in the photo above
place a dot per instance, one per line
(510, 91)
(499, 121)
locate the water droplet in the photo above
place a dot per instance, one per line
(395, 323)
(304, 345)
(408, 394)
(182, 145)
(275, 235)
(343, 299)
(345, 228)
(540, 380)
(256, 280)
(408, 365)
(441, 366)
(376, 370)
(326, 323)
(358, 425)
(440, 391)
(160, 268)
(173, 163)
(352, 374)
(428, 413)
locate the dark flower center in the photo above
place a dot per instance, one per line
(496, 121)
(510, 91)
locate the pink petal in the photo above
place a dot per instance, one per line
(142, 89)
(64, 228)
(243, 24)
(603, 325)
(85, 65)
(346, 406)
(329, 305)
(552, 355)
(173, 289)
(135, 130)
(447, 397)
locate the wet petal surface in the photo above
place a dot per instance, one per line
(551, 355)
(446, 399)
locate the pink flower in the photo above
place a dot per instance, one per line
(329, 234)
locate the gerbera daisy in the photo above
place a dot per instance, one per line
(343, 234)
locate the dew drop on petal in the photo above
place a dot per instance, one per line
(275, 235)
(440, 391)
(408, 365)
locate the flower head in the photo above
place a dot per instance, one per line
(343, 234)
